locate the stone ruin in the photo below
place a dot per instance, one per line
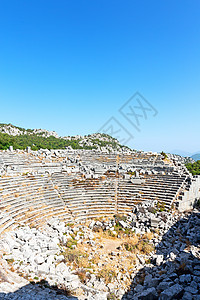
(43, 192)
(83, 184)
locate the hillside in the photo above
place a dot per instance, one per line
(20, 138)
(196, 156)
(194, 168)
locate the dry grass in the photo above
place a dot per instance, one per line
(129, 262)
(107, 234)
(95, 260)
(107, 273)
(149, 236)
(137, 244)
(131, 244)
(82, 275)
(77, 258)
(147, 248)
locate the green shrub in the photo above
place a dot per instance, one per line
(164, 155)
(194, 168)
(70, 243)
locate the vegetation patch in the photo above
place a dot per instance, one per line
(194, 168)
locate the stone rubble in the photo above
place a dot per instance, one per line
(172, 271)
(38, 254)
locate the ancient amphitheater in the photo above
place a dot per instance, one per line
(97, 225)
(82, 184)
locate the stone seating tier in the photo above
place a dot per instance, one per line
(68, 194)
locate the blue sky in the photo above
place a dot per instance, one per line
(69, 66)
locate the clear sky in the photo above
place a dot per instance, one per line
(69, 66)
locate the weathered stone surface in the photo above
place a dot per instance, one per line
(149, 294)
(159, 260)
(172, 292)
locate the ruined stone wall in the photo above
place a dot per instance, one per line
(191, 195)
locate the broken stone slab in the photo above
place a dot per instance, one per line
(185, 278)
(149, 294)
(191, 290)
(141, 259)
(123, 224)
(39, 259)
(154, 222)
(159, 259)
(43, 268)
(187, 296)
(91, 226)
(97, 295)
(61, 268)
(53, 245)
(175, 290)
(164, 285)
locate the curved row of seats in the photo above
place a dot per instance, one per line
(86, 198)
(91, 197)
(163, 188)
(29, 200)
(22, 162)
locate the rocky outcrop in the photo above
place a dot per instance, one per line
(93, 141)
(174, 272)
(171, 271)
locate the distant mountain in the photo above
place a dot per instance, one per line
(181, 153)
(20, 138)
(196, 156)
